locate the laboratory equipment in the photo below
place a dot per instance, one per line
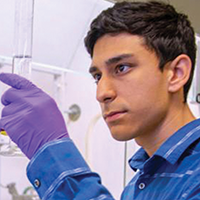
(89, 134)
(73, 112)
(23, 35)
(21, 62)
(28, 194)
(197, 72)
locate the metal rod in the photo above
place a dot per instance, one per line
(51, 69)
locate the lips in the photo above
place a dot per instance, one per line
(114, 115)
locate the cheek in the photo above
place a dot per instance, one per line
(134, 91)
(152, 87)
(143, 95)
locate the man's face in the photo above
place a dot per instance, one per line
(131, 89)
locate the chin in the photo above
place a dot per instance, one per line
(120, 137)
(123, 134)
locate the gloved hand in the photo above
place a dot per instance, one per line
(30, 117)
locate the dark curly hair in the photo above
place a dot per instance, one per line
(164, 30)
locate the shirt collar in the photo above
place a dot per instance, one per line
(172, 148)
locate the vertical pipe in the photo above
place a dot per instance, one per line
(197, 74)
(125, 163)
(22, 55)
(23, 35)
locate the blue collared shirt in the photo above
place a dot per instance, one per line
(172, 173)
(58, 171)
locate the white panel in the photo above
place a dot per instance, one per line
(195, 87)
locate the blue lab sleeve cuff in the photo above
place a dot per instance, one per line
(53, 163)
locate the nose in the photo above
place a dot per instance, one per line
(106, 91)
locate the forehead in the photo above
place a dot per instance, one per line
(109, 46)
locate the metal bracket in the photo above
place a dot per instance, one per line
(74, 112)
(198, 98)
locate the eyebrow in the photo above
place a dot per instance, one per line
(118, 58)
(111, 61)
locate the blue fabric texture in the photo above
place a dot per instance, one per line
(172, 173)
(58, 171)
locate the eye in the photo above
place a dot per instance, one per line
(122, 68)
(97, 77)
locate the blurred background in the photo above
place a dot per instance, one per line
(60, 67)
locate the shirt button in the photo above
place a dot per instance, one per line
(37, 183)
(141, 186)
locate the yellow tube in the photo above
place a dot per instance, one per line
(3, 132)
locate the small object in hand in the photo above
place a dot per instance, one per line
(3, 132)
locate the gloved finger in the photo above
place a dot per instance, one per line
(11, 124)
(16, 81)
(1, 125)
(9, 96)
(12, 109)
(13, 95)
(3, 122)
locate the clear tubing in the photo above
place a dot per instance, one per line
(22, 55)
(23, 35)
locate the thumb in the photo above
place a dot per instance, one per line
(16, 81)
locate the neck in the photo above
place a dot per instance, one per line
(172, 123)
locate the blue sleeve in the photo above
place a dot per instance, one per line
(59, 172)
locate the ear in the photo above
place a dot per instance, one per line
(178, 72)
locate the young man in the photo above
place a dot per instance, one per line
(143, 57)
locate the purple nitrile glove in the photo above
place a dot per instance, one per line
(30, 117)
